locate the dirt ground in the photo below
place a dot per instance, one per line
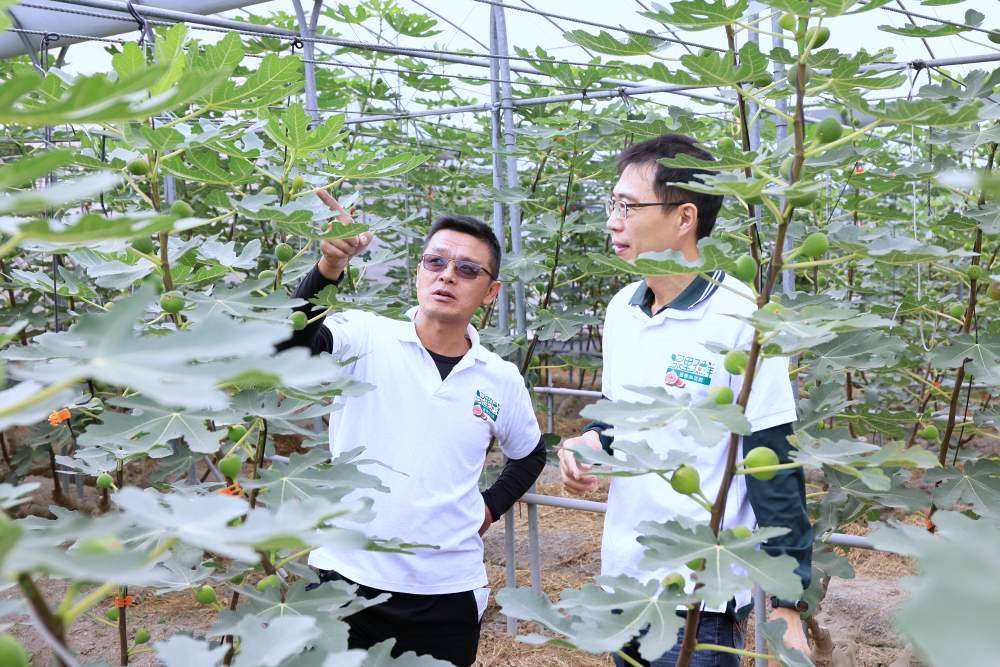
(857, 612)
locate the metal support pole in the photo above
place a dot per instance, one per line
(550, 406)
(503, 317)
(514, 213)
(759, 619)
(307, 30)
(498, 227)
(510, 145)
(169, 189)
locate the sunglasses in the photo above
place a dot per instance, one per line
(464, 268)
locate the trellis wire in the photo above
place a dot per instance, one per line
(68, 35)
(427, 73)
(935, 19)
(162, 16)
(451, 23)
(689, 91)
(249, 29)
(627, 31)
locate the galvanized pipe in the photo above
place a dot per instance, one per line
(307, 30)
(563, 391)
(38, 15)
(759, 619)
(833, 539)
(498, 226)
(510, 144)
(503, 318)
(514, 216)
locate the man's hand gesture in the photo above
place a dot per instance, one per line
(337, 253)
(574, 475)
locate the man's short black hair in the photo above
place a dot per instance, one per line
(474, 227)
(668, 146)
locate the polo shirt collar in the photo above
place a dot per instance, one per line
(408, 332)
(699, 291)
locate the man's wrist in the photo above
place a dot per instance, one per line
(593, 437)
(329, 270)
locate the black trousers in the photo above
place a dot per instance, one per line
(444, 626)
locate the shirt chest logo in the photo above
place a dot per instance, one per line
(684, 368)
(485, 407)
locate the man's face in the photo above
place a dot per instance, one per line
(447, 295)
(651, 228)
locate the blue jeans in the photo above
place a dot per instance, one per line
(713, 628)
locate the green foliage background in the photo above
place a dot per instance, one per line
(893, 328)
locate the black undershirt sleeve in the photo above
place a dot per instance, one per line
(514, 481)
(315, 335)
(781, 501)
(601, 427)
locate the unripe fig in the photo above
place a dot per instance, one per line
(230, 466)
(206, 595)
(104, 481)
(138, 167)
(12, 654)
(172, 302)
(144, 244)
(735, 362)
(746, 268)
(817, 36)
(284, 252)
(829, 129)
(181, 209)
(761, 457)
(815, 244)
(721, 395)
(685, 480)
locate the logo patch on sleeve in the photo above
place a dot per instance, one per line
(684, 367)
(485, 407)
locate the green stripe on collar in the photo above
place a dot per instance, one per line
(699, 290)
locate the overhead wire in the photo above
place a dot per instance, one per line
(669, 29)
(935, 19)
(451, 23)
(67, 35)
(627, 31)
(269, 31)
(603, 93)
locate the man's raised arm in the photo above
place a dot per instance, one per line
(329, 270)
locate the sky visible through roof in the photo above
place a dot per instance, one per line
(849, 34)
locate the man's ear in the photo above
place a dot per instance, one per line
(491, 293)
(687, 223)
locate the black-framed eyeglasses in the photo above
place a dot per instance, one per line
(619, 209)
(463, 267)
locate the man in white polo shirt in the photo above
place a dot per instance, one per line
(439, 399)
(659, 332)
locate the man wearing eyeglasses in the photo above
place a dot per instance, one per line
(439, 400)
(660, 332)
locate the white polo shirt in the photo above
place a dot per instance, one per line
(668, 350)
(433, 434)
